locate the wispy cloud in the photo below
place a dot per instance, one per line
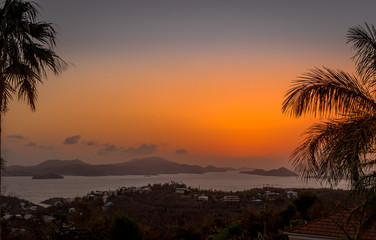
(91, 143)
(142, 149)
(30, 144)
(16, 136)
(72, 140)
(181, 151)
(110, 148)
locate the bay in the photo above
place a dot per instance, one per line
(37, 190)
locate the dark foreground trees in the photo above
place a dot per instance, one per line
(343, 146)
(26, 54)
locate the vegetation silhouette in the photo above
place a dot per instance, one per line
(26, 54)
(343, 145)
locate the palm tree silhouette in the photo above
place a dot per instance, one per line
(26, 54)
(343, 144)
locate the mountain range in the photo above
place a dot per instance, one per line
(144, 166)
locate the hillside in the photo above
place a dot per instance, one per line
(144, 166)
(280, 172)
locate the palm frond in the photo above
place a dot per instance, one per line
(336, 149)
(26, 51)
(364, 43)
(6, 95)
(41, 59)
(365, 189)
(366, 183)
(327, 92)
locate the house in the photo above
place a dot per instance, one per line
(271, 195)
(231, 199)
(145, 190)
(182, 190)
(334, 226)
(291, 194)
(91, 196)
(203, 198)
(128, 189)
(48, 219)
(106, 205)
(33, 208)
(135, 189)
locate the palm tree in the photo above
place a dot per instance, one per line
(26, 54)
(342, 145)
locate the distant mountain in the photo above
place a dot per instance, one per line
(59, 163)
(280, 172)
(144, 166)
(61, 167)
(255, 172)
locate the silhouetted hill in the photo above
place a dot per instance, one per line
(255, 172)
(144, 166)
(59, 163)
(280, 172)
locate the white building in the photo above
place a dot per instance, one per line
(291, 194)
(203, 198)
(231, 199)
(182, 190)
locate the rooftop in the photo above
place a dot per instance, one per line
(336, 225)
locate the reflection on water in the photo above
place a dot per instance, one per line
(37, 190)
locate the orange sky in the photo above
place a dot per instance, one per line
(218, 102)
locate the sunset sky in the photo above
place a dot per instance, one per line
(195, 81)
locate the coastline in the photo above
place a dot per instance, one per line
(74, 186)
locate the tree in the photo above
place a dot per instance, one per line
(343, 145)
(304, 201)
(26, 54)
(126, 228)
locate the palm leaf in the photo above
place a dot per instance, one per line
(26, 51)
(336, 149)
(326, 92)
(364, 43)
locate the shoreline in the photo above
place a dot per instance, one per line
(74, 186)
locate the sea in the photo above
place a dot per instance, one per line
(37, 190)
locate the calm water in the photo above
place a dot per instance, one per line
(37, 190)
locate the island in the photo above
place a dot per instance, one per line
(149, 166)
(280, 172)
